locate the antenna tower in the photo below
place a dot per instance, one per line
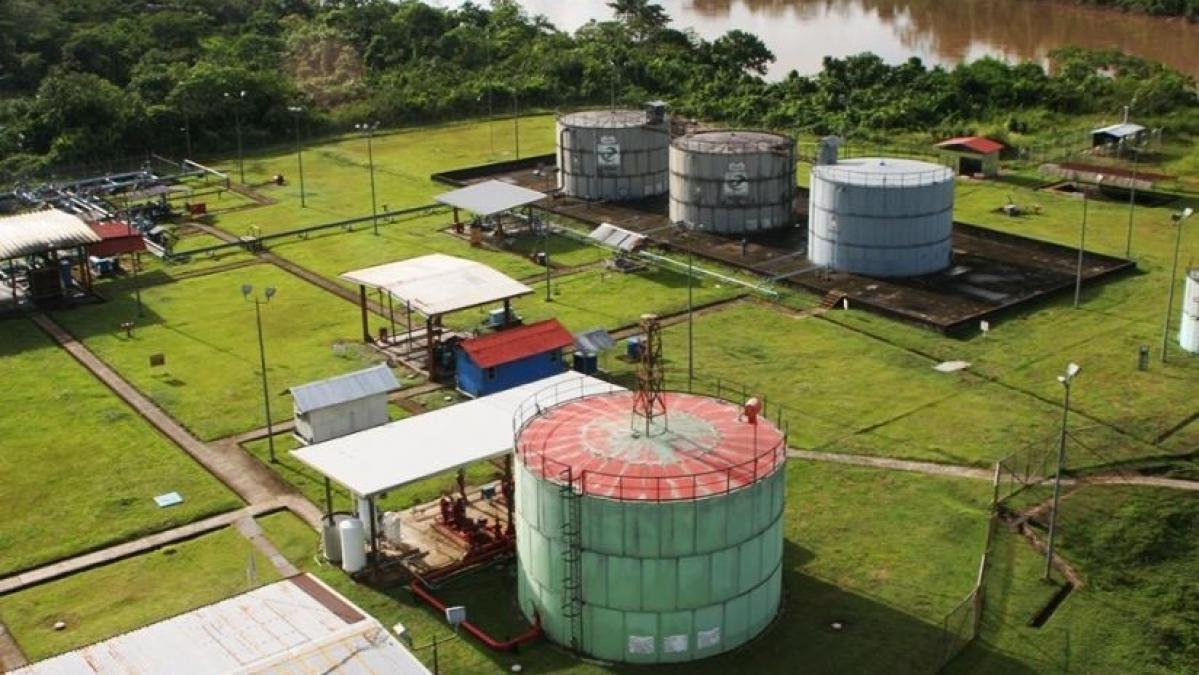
(650, 400)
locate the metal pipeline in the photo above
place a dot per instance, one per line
(418, 589)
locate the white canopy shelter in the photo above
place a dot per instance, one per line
(402, 452)
(438, 283)
(42, 231)
(490, 197)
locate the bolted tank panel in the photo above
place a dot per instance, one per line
(881, 217)
(680, 536)
(732, 182)
(1188, 331)
(612, 155)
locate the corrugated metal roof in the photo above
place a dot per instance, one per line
(41, 231)
(983, 146)
(343, 388)
(513, 344)
(1122, 130)
(437, 284)
(616, 237)
(594, 341)
(396, 454)
(291, 626)
(490, 197)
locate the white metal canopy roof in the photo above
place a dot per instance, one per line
(396, 454)
(40, 231)
(298, 625)
(490, 197)
(438, 283)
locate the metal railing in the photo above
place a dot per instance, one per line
(619, 486)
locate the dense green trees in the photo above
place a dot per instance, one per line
(84, 80)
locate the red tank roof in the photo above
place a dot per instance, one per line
(983, 146)
(706, 448)
(514, 344)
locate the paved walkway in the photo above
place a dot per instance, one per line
(252, 481)
(111, 554)
(928, 468)
(250, 529)
(11, 656)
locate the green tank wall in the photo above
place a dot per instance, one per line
(662, 582)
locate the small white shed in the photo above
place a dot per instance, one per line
(342, 405)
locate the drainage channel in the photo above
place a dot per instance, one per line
(1042, 617)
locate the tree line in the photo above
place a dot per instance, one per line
(87, 80)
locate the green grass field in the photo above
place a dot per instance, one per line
(117, 598)
(206, 331)
(81, 469)
(889, 568)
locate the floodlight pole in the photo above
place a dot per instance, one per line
(1061, 460)
(545, 231)
(1179, 219)
(1082, 245)
(241, 167)
(370, 160)
(266, 399)
(515, 123)
(295, 110)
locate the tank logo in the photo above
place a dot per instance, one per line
(735, 189)
(607, 155)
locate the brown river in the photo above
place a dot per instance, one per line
(802, 32)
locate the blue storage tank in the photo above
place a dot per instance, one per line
(633, 348)
(586, 363)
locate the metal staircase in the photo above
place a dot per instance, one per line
(572, 557)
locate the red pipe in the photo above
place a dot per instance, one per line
(533, 633)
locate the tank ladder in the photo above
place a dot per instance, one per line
(572, 556)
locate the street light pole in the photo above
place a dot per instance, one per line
(1132, 202)
(247, 292)
(1071, 371)
(1179, 219)
(369, 130)
(1082, 244)
(295, 110)
(241, 167)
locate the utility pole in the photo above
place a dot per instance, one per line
(1132, 202)
(295, 110)
(545, 230)
(248, 293)
(1071, 372)
(515, 123)
(1178, 218)
(1082, 244)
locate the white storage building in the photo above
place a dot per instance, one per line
(342, 405)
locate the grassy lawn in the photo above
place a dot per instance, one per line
(117, 598)
(80, 467)
(886, 554)
(206, 331)
(337, 178)
(1137, 611)
(600, 298)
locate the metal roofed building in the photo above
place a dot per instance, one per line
(43, 234)
(615, 237)
(972, 155)
(435, 285)
(298, 626)
(343, 404)
(512, 357)
(489, 197)
(1125, 132)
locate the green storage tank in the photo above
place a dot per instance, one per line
(649, 548)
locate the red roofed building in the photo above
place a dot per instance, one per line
(972, 155)
(512, 357)
(116, 238)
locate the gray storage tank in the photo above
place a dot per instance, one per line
(732, 182)
(613, 155)
(881, 217)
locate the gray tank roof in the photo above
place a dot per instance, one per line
(884, 171)
(604, 119)
(733, 142)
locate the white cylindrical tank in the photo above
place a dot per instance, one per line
(612, 155)
(732, 182)
(331, 537)
(1188, 332)
(353, 545)
(881, 217)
